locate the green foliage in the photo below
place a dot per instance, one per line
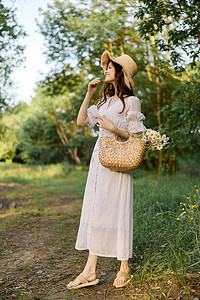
(11, 50)
(9, 129)
(180, 20)
(182, 117)
(39, 142)
(8, 136)
(75, 32)
(48, 134)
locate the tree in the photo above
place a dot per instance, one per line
(38, 143)
(74, 33)
(173, 28)
(50, 125)
(9, 129)
(10, 49)
(180, 20)
(182, 120)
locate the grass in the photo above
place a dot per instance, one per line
(166, 226)
(165, 236)
(56, 178)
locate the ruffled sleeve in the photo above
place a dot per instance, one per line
(134, 116)
(92, 115)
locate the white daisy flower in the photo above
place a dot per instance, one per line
(148, 131)
(159, 147)
(158, 136)
(144, 138)
(152, 134)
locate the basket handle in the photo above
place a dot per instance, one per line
(130, 135)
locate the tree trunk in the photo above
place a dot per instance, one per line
(159, 162)
(173, 167)
(148, 69)
(74, 156)
(158, 99)
(64, 139)
(172, 163)
(167, 38)
(158, 95)
(145, 165)
(158, 89)
(60, 135)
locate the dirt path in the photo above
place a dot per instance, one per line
(38, 258)
(36, 265)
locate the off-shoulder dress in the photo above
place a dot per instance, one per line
(106, 223)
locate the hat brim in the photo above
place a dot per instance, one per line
(106, 57)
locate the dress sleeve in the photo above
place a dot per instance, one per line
(92, 115)
(134, 116)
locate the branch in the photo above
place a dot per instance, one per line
(170, 74)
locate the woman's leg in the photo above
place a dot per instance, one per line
(89, 271)
(123, 268)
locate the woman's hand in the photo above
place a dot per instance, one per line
(104, 122)
(107, 124)
(93, 85)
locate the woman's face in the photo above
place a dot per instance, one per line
(110, 73)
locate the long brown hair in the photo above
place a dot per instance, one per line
(123, 91)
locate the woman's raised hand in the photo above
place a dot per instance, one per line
(93, 85)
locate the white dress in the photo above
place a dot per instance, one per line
(106, 224)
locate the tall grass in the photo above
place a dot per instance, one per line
(167, 222)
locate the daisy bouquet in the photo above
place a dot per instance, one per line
(154, 140)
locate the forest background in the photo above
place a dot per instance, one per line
(41, 193)
(162, 37)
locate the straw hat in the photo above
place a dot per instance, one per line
(129, 67)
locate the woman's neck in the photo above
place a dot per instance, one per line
(115, 87)
(115, 96)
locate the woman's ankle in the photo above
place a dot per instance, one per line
(90, 267)
(124, 266)
(89, 271)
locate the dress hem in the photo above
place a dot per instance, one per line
(103, 255)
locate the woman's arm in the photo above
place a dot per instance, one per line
(82, 118)
(107, 124)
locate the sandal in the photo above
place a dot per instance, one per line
(83, 282)
(126, 275)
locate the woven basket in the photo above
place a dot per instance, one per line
(121, 156)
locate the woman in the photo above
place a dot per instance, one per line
(106, 224)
